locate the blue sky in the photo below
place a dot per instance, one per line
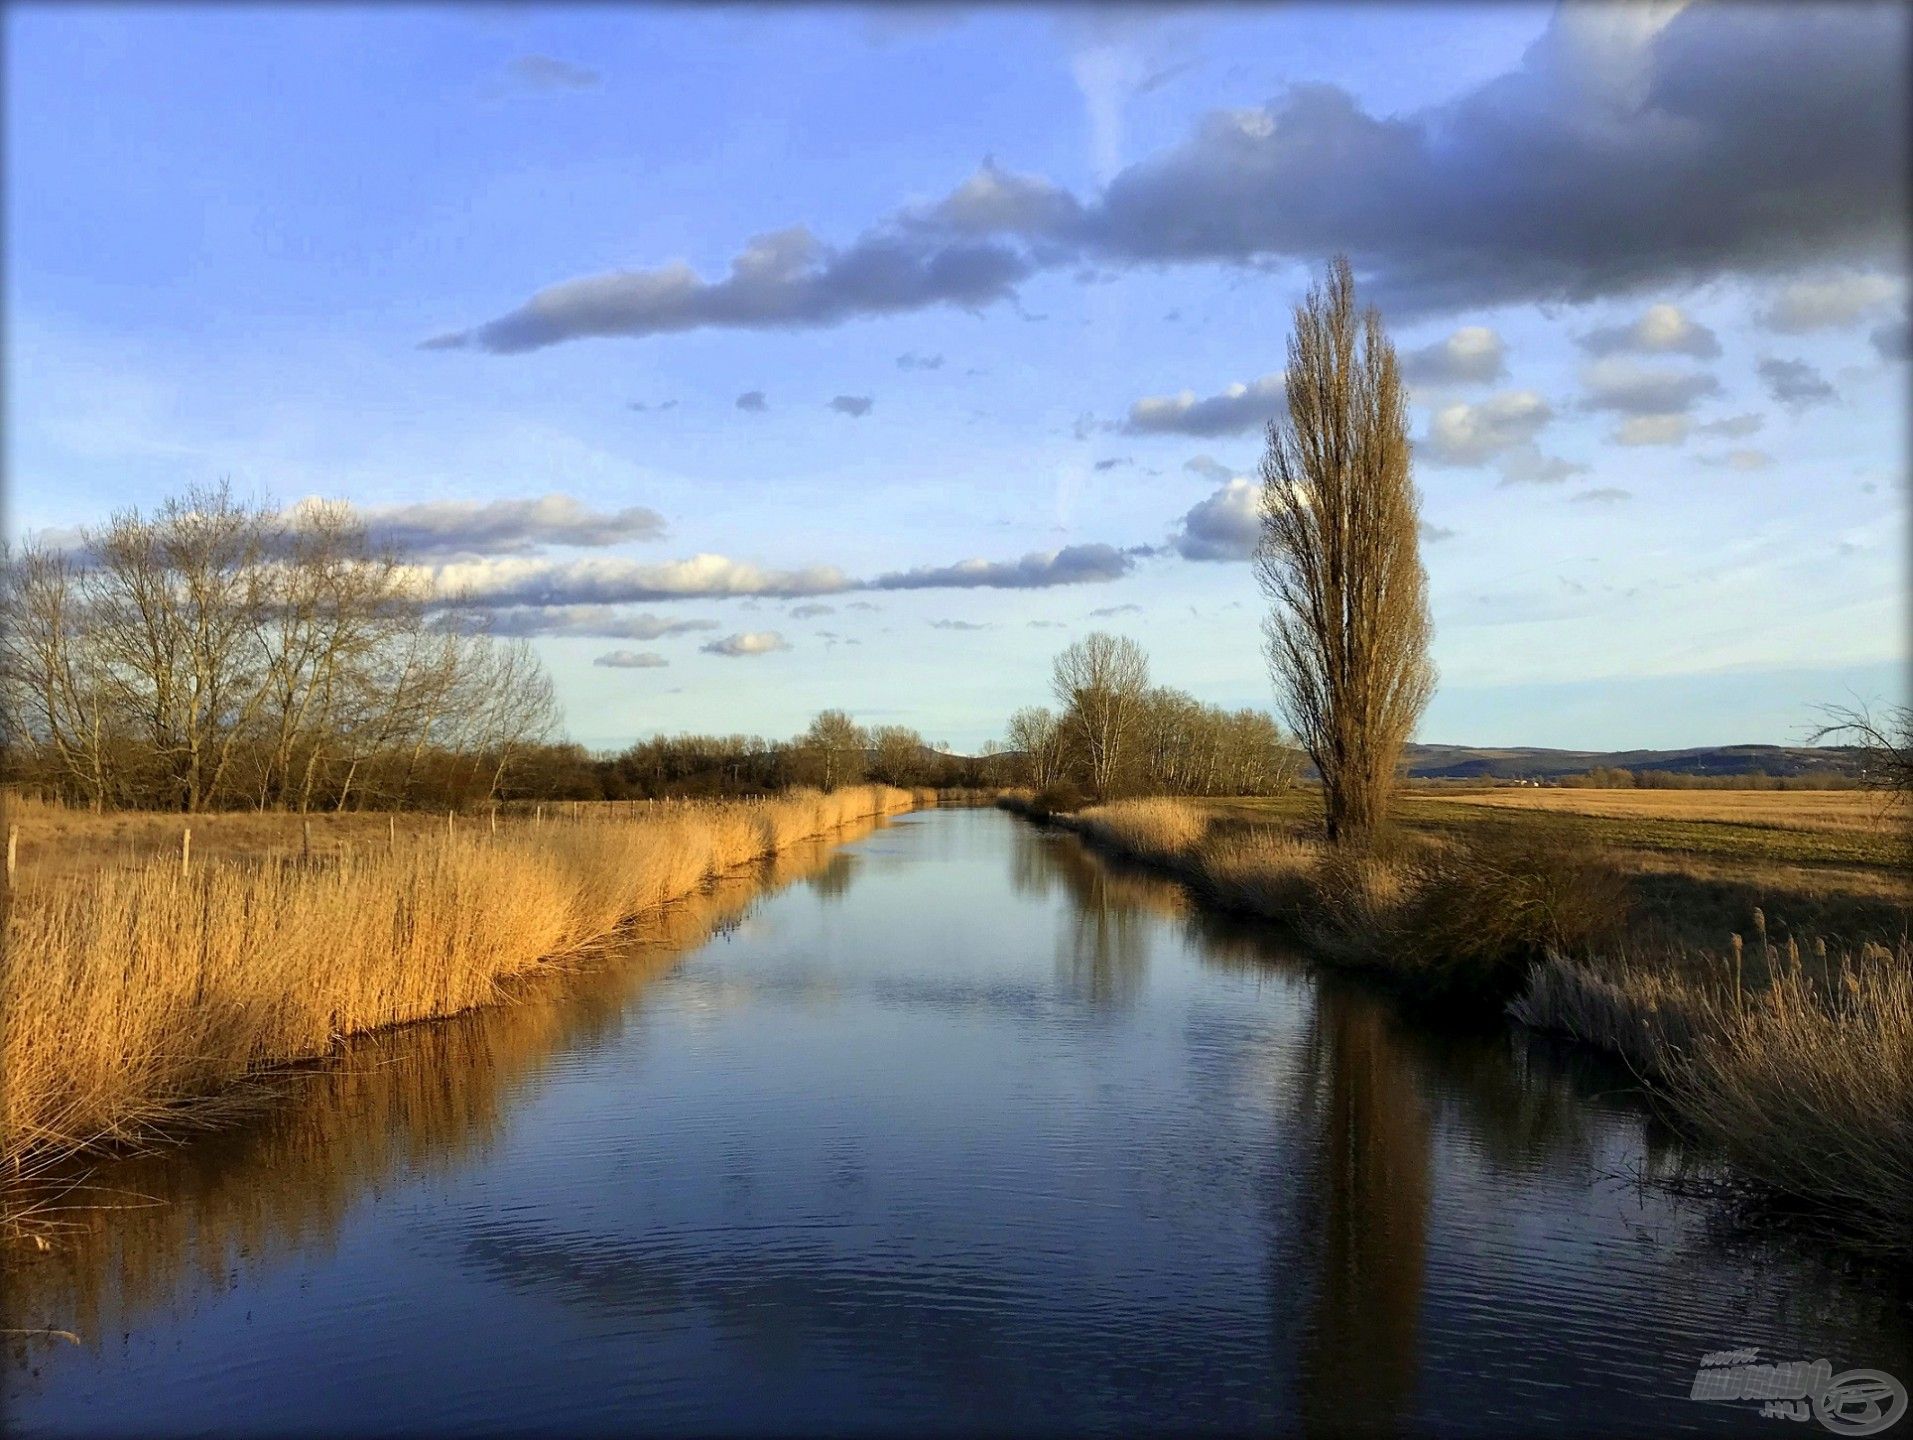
(990, 276)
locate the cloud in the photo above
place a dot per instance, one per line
(1661, 330)
(1226, 526)
(1045, 624)
(958, 625)
(1795, 382)
(1473, 355)
(1462, 434)
(1652, 430)
(1631, 389)
(1733, 427)
(1604, 495)
(1208, 467)
(632, 660)
(1894, 339)
(1739, 460)
(1829, 302)
(1108, 611)
(913, 361)
(1239, 408)
(753, 400)
(1113, 462)
(784, 280)
(542, 72)
(810, 612)
(658, 408)
(599, 621)
(1527, 464)
(1435, 534)
(855, 406)
(508, 581)
(750, 642)
(1631, 149)
(505, 527)
(1071, 565)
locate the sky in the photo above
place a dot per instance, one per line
(753, 360)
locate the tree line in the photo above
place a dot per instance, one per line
(1113, 733)
(219, 653)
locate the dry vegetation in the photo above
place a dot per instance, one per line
(1794, 1056)
(140, 999)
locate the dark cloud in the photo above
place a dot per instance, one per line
(1226, 526)
(506, 527)
(753, 400)
(1072, 565)
(1473, 355)
(1627, 151)
(1238, 409)
(1435, 534)
(812, 611)
(1114, 462)
(855, 406)
(662, 405)
(784, 280)
(751, 642)
(1795, 382)
(632, 660)
(914, 361)
(1893, 339)
(1828, 302)
(542, 72)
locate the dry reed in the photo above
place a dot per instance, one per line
(139, 999)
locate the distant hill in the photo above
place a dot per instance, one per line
(1472, 762)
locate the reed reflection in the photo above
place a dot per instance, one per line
(147, 1230)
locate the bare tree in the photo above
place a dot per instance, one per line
(1037, 735)
(1340, 558)
(897, 755)
(1885, 742)
(1100, 681)
(832, 751)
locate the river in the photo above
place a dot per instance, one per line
(953, 1127)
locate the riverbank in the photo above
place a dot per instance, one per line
(151, 997)
(1793, 1056)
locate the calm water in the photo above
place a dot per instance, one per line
(958, 1129)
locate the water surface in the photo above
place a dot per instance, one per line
(953, 1128)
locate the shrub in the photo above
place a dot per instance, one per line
(1059, 797)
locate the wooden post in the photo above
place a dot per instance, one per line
(392, 831)
(13, 846)
(540, 817)
(185, 851)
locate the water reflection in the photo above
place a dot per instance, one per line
(973, 1130)
(147, 1233)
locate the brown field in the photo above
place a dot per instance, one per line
(1836, 810)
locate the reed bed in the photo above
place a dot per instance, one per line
(141, 1000)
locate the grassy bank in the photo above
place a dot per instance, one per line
(142, 997)
(1793, 1055)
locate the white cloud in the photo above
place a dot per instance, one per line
(1661, 330)
(1225, 526)
(750, 642)
(1622, 385)
(1652, 430)
(631, 660)
(1829, 302)
(1462, 434)
(1473, 355)
(1239, 408)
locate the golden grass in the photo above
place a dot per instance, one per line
(1839, 810)
(138, 998)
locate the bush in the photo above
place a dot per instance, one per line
(1481, 915)
(1060, 797)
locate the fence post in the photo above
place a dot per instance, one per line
(185, 850)
(392, 832)
(540, 817)
(13, 844)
